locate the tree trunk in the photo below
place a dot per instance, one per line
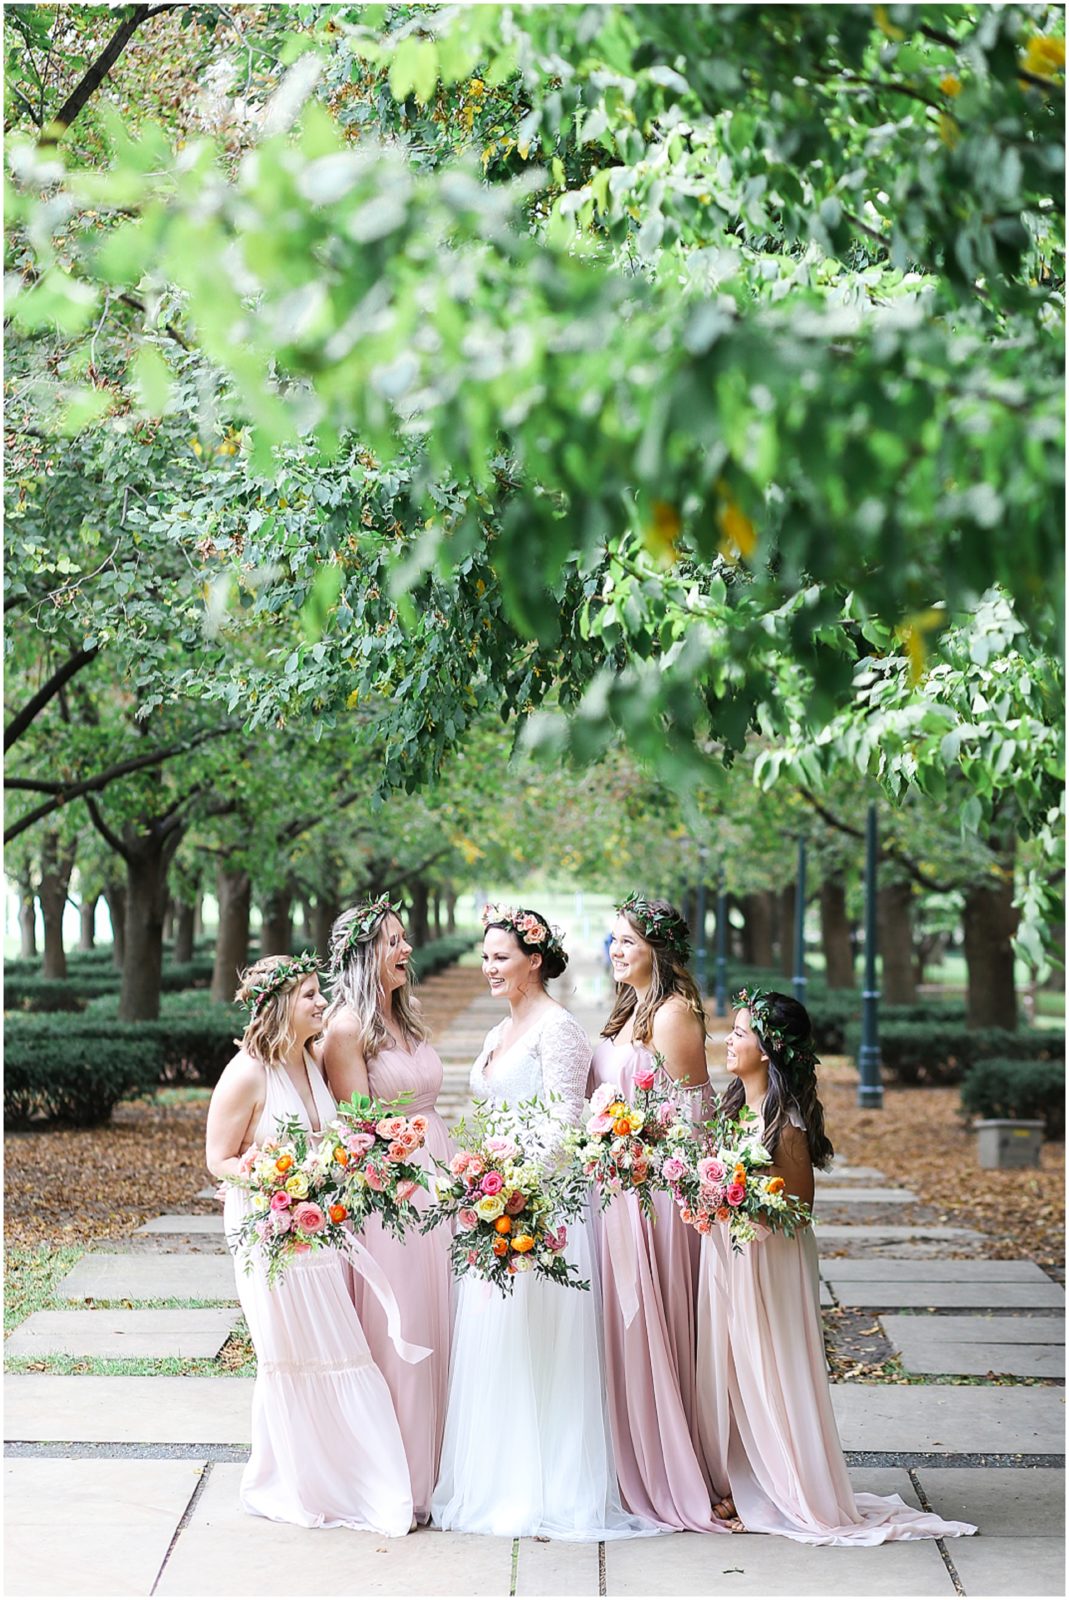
(324, 916)
(147, 866)
(56, 869)
(234, 894)
(115, 895)
(276, 930)
(27, 926)
(436, 914)
(87, 914)
(198, 918)
(835, 935)
(787, 897)
(168, 921)
(894, 911)
(757, 929)
(450, 912)
(990, 922)
(184, 920)
(418, 926)
(307, 922)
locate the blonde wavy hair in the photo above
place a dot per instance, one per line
(670, 976)
(357, 985)
(269, 1036)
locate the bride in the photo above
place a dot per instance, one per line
(526, 1448)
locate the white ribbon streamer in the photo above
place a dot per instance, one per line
(365, 1264)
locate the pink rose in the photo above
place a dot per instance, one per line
(374, 1179)
(505, 1149)
(603, 1097)
(644, 1077)
(309, 1217)
(673, 1170)
(282, 1221)
(409, 1140)
(405, 1189)
(390, 1127)
(736, 1194)
(280, 1200)
(458, 1164)
(493, 1183)
(301, 1249)
(358, 1144)
(467, 1218)
(515, 1203)
(418, 1125)
(703, 1224)
(245, 1164)
(710, 1170)
(476, 1165)
(396, 1151)
(666, 1114)
(599, 1124)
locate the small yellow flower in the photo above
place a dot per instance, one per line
(950, 85)
(297, 1185)
(490, 1207)
(1044, 55)
(737, 533)
(476, 89)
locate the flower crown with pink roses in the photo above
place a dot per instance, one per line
(530, 929)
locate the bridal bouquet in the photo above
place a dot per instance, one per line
(621, 1144)
(371, 1151)
(717, 1177)
(504, 1201)
(295, 1206)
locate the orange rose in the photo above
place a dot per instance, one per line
(500, 1247)
(522, 1243)
(739, 1175)
(621, 1126)
(503, 1224)
(341, 1155)
(776, 1185)
(722, 1214)
(338, 1213)
(284, 1163)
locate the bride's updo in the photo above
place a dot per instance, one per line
(534, 935)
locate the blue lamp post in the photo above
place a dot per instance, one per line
(721, 947)
(799, 979)
(870, 1088)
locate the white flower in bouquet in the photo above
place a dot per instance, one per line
(490, 1207)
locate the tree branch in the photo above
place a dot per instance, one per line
(19, 723)
(83, 91)
(105, 832)
(892, 852)
(123, 769)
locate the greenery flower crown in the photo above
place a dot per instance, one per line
(299, 967)
(529, 928)
(666, 926)
(791, 1050)
(364, 921)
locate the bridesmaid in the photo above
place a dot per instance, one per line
(317, 1388)
(376, 1043)
(765, 1412)
(650, 1271)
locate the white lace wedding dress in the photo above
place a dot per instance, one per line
(527, 1447)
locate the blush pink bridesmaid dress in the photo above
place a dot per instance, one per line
(326, 1448)
(649, 1278)
(418, 1271)
(764, 1405)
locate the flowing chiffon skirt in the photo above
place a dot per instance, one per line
(765, 1416)
(326, 1448)
(527, 1449)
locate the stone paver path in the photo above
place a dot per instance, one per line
(128, 1485)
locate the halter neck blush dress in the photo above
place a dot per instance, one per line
(527, 1448)
(326, 1448)
(649, 1280)
(764, 1405)
(419, 1273)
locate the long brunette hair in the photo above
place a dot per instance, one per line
(787, 1041)
(358, 986)
(670, 976)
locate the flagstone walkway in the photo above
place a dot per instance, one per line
(128, 1485)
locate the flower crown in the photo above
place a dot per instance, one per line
(364, 920)
(299, 967)
(666, 926)
(791, 1050)
(528, 927)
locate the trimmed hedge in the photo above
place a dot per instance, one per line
(34, 993)
(438, 954)
(1026, 1089)
(76, 1079)
(941, 1053)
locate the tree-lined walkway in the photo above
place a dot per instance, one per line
(127, 1484)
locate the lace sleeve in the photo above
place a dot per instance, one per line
(565, 1052)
